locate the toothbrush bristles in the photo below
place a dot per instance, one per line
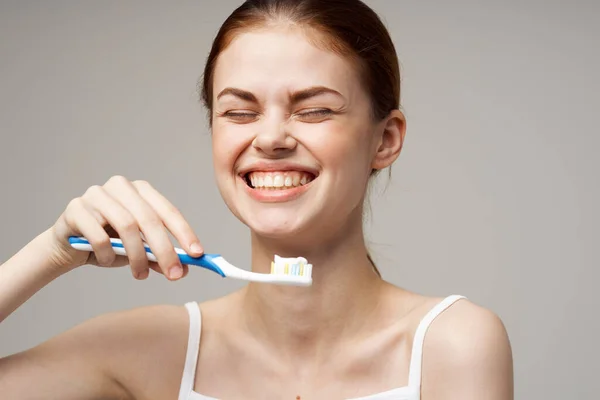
(298, 268)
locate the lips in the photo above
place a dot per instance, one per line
(277, 182)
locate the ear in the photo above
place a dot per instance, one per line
(390, 141)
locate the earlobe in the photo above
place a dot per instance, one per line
(391, 140)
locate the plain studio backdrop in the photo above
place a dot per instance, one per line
(494, 196)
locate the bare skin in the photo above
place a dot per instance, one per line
(346, 368)
(139, 354)
(348, 335)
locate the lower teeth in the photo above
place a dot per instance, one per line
(274, 188)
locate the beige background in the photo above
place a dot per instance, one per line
(494, 197)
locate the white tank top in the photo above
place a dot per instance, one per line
(410, 392)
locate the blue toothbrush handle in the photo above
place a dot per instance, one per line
(205, 261)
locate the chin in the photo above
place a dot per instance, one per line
(275, 234)
(276, 228)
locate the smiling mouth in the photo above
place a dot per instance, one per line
(278, 180)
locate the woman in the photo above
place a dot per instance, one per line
(304, 108)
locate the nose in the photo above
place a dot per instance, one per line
(274, 138)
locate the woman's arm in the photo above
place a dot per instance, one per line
(24, 274)
(132, 354)
(66, 367)
(71, 366)
(467, 356)
(101, 357)
(120, 355)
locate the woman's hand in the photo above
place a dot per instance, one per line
(119, 208)
(127, 210)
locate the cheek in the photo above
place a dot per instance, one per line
(341, 147)
(226, 149)
(227, 145)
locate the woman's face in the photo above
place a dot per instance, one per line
(293, 139)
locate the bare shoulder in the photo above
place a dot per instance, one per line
(127, 331)
(141, 349)
(464, 332)
(467, 355)
(148, 347)
(152, 322)
(137, 353)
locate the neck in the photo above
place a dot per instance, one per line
(309, 321)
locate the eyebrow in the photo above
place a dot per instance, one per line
(242, 94)
(295, 97)
(314, 91)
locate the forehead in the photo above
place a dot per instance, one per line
(278, 59)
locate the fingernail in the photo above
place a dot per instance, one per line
(196, 248)
(175, 272)
(142, 275)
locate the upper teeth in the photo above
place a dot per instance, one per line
(279, 179)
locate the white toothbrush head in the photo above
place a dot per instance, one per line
(294, 271)
(296, 268)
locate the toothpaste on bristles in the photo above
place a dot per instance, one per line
(295, 266)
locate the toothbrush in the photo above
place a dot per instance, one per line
(284, 271)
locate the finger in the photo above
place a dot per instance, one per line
(121, 220)
(80, 220)
(156, 268)
(119, 261)
(149, 223)
(171, 217)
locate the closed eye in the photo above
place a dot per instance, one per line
(240, 116)
(315, 114)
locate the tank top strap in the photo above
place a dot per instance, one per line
(416, 359)
(193, 346)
